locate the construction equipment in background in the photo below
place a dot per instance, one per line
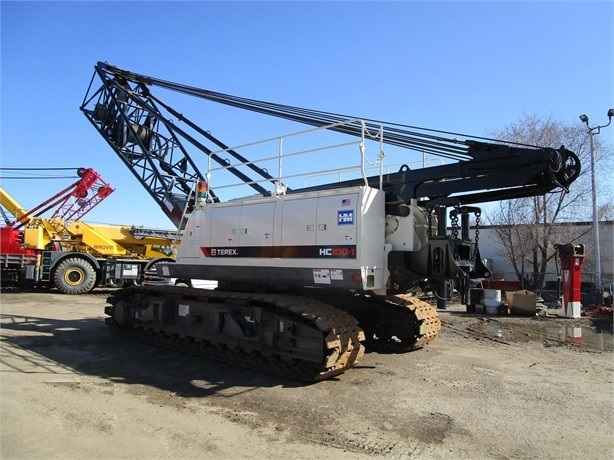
(306, 274)
(71, 255)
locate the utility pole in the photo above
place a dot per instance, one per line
(596, 249)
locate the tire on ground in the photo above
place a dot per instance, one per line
(74, 276)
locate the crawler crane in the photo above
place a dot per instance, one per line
(308, 274)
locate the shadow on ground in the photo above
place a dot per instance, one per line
(86, 346)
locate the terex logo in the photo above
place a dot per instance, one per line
(224, 252)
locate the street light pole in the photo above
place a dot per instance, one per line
(596, 248)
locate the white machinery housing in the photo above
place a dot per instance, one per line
(334, 237)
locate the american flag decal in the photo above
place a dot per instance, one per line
(346, 202)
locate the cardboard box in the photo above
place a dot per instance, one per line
(522, 302)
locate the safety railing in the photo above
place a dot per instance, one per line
(290, 160)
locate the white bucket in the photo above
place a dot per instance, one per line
(492, 294)
(491, 302)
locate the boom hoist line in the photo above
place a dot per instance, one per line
(130, 118)
(494, 155)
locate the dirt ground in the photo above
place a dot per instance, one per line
(488, 387)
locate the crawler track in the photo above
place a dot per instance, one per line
(404, 323)
(294, 336)
(286, 335)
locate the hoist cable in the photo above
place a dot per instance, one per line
(425, 140)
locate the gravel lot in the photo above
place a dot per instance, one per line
(488, 387)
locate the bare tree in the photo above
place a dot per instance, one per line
(527, 228)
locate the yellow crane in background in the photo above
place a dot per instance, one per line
(71, 255)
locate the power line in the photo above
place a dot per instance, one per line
(32, 176)
(39, 178)
(39, 169)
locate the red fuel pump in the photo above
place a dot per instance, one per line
(572, 259)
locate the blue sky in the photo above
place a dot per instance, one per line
(468, 67)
